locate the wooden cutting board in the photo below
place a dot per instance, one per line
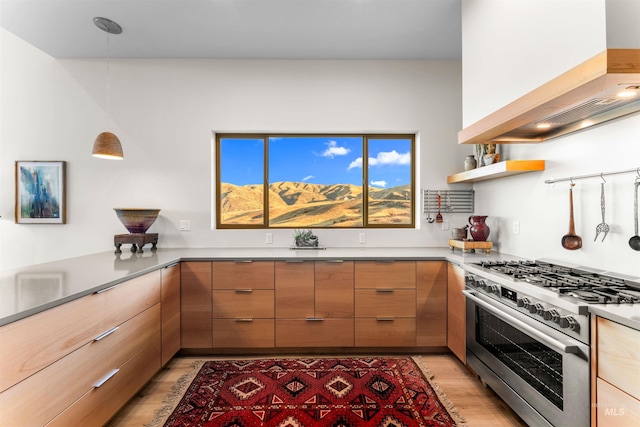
(470, 245)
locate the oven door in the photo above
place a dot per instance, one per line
(541, 373)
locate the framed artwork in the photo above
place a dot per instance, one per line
(40, 192)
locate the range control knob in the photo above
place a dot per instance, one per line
(494, 289)
(569, 322)
(523, 302)
(481, 284)
(551, 314)
(538, 309)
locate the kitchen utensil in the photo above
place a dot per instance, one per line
(603, 227)
(429, 218)
(459, 233)
(439, 215)
(634, 241)
(448, 207)
(571, 241)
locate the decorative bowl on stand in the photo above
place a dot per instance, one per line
(137, 221)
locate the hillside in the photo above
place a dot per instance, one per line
(299, 204)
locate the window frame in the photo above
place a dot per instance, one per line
(265, 179)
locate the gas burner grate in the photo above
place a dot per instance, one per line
(580, 284)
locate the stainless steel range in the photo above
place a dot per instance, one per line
(528, 334)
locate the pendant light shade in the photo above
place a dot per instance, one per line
(107, 146)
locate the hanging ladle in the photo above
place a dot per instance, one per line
(603, 227)
(571, 241)
(429, 218)
(634, 241)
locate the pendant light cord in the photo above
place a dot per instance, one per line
(108, 77)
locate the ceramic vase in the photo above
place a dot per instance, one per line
(470, 163)
(479, 229)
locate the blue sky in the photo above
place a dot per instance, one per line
(317, 160)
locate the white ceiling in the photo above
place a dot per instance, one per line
(260, 29)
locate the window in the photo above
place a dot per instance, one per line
(319, 181)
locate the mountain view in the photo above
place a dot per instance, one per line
(300, 204)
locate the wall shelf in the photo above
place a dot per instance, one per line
(497, 170)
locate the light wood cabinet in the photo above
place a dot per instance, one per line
(32, 343)
(195, 305)
(131, 319)
(385, 303)
(314, 304)
(616, 369)
(243, 304)
(431, 303)
(170, 312)
(456, 312)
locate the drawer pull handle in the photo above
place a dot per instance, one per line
(244, 291)
(294, 261)
(106, 378)
(384, 290)
(106, 289)
(335, 261)
(245, 320)
(315, 319)
(243, 261)
(388, 261)
(172, 265)
(106, 334)
(385, 319)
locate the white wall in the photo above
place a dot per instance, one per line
(513, 47)
(164, 112)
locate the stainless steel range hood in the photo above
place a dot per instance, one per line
(603, 88)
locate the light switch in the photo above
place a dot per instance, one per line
(185, 225)
(268, 238)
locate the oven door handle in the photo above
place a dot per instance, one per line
(551, 342)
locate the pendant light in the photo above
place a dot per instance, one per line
(107, 145)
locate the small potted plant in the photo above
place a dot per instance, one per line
(305, 239)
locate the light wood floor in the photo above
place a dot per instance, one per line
(478, 405)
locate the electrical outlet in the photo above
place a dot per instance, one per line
(268, 238)
(516, 227)
(185, 225)
(362, 238)
(445, 224)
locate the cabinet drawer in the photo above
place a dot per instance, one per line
(618, 356)
(245, 303)
(379, 274)
(616, 408)
(42, 396)
(385, 303)
(241, 274)
(314, 333)
(398, 332)
(243, 333)
(100, 404)
(30, 344)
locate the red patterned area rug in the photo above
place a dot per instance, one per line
(305, 392)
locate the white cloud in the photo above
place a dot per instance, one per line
(357, 163)
(307, 178)
(382, 183)
(384, 158)
(391, 158)
(334, 150)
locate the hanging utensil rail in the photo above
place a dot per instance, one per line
(594, 175)
(454, 201)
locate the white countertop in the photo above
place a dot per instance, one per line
(29, 290)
